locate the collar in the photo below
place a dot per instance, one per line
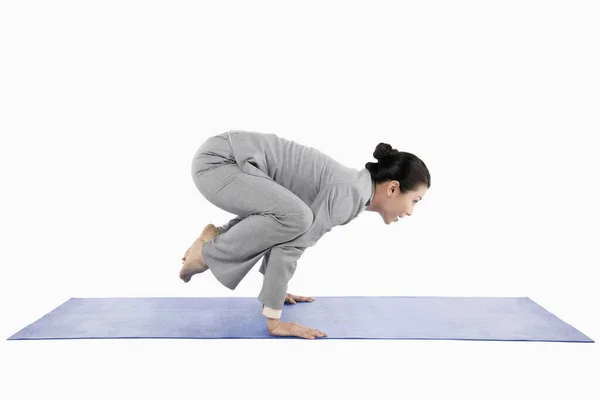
(366, 186)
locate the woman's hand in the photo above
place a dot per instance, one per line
(292, 299)
(279, 328)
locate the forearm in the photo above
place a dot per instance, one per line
(280, 269)
(272, 296)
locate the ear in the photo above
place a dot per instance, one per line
(393, 186)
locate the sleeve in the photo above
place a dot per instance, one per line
(334, 205)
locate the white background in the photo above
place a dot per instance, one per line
(103, 104)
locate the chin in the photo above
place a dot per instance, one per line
(389, 221)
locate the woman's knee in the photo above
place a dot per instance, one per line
(302, 219)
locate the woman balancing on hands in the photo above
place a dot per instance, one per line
(285, 197)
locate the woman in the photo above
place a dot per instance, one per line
(286, 196)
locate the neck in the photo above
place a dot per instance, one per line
(374, 203)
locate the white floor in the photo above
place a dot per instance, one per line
(103, 106)
(297, 369)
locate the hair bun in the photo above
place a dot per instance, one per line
(383, 151)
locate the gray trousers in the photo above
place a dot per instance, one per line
(267, 217)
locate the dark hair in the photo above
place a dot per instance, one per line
(393, 165)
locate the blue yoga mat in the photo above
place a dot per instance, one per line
(449, 318)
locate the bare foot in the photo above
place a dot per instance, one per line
(208, 233)
(193, 261)
(194, 264)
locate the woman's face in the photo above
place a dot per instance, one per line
(395, 204)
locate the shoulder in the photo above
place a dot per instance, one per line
(342, 190)
(343, 202)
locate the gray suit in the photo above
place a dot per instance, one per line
(285, 195)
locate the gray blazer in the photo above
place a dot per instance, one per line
(335, 193)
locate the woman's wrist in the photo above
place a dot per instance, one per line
(272, 323)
